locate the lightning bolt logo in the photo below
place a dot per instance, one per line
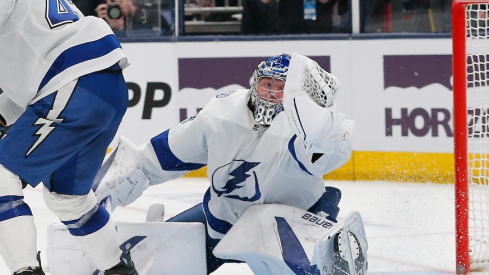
(239, 177)
(49, 123)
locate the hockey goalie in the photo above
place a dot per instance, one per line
(266, 150)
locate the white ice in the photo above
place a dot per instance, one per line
(410, 227)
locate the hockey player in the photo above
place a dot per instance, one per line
(62, 83)
(270, 144)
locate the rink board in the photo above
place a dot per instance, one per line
(399, 93)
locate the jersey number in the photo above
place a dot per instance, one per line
(59, 12)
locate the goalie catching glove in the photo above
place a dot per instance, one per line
(124, 180)
(309, 99)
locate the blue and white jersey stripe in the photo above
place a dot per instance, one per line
(47, 44)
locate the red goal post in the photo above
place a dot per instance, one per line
(470, 38)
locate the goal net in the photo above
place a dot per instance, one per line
(470, 32)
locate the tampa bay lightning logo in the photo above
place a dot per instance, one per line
(240, 172)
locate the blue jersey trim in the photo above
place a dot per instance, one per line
(292, 152)
(80, 53)
(216, 224)
(91, 222)
(13, 206)
(168, 161)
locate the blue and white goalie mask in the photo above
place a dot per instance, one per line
(267, 88)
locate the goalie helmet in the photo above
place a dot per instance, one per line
(268, 105)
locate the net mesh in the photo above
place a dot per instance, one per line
(477, 68)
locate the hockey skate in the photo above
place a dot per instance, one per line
(31, 270)
(125, 267)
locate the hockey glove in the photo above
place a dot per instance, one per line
(308, 99)
(124, 180)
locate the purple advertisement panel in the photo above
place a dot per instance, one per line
(200, 73)
(419, 86)
(418, 71)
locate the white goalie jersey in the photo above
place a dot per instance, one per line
(40, 52)
(247, 163)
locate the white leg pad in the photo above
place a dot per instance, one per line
(274, 239)
(157, 248)
(18, 242)
(351, 257)
(18, 236)
(285, 240)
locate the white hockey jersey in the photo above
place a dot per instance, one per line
(247, 163)
(45, 44)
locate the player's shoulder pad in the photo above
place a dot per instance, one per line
(227, 103)
(222, 95)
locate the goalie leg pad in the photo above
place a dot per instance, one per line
(274, 239)
(281, 239)
(156, 248)
(196, 214)
(343, 250)
(347, 251)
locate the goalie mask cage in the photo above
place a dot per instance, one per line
(470, 38)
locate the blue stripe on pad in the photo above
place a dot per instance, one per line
(292, 251)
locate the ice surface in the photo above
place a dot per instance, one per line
(410, 227)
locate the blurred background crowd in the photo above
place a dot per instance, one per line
(270, 17)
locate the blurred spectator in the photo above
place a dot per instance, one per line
(116, 18)
(292, 18)
(431, 15)
(87, 7)
(424, 16)
(342, 12)
(220, 16)
(365, 8)
(259, 17)
(124, 14)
